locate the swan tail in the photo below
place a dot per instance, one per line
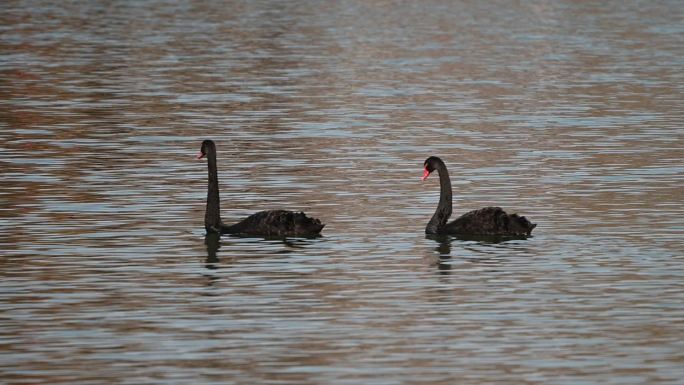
(306, 225)
(519, 225)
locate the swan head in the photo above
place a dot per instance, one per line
(207, 147)
(430, 166)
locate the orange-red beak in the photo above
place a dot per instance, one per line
(426, 174)
(200, 155)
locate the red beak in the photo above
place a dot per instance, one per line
(426, 174)
(200, 155)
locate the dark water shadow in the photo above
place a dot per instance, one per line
(489, 239)
(295, 244)
(275, 237)
(212, 241)
(442, 253)
(490, 249)
(213, 244)
(292, 244)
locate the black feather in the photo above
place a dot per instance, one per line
(485, 221)
(272, 223)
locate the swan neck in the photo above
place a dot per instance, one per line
(212, 216)
(443, 212)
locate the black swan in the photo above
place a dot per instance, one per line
(278, 223)
(486, 221)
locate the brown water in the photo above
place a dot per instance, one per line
(570, 113)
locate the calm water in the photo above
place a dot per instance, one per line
(569, 113)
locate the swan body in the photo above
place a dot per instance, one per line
(276, 223)
(486, 221)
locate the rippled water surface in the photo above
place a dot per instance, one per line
(570, 113)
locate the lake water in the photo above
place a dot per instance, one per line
(570, 113)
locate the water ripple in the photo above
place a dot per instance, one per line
(568, 113)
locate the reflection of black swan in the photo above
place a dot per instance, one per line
(485, 221)
(263, 223)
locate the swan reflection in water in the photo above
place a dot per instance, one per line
(442, 253)
(212, 241)
(490, 250)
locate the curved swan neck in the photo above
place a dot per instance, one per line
(212, 216)
(443, 212)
